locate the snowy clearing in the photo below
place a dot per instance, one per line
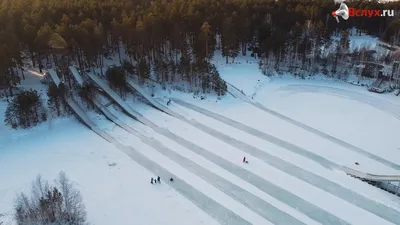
(292, 176)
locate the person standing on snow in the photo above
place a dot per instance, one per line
(159, 179)
(244, 159)
(151, 181)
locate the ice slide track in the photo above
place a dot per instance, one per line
(350, 196)
(273, 214)
(368, 176)
(335, 140)
(99, 105)
(178, 116)
(76, 75)
(269, 188)
(97, 80)
(390, 214)
(153, 102)
(380, 104)
(251, 201)
(205, 203)
(264, 136)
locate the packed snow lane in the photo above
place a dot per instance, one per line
(109, 115)
(243, 214)
(281, 194)
(86, 120)
(329, 137)
(279, 142)
(76, 75)
(232, 177)
(153, 102)
(242, 196)
(370, 177)
(166, 136)
(113, 95)
(54, 76)
(80, 113)
(379, 103)
(224, 216)
(111, 193)
(208, 205)
(250, 200)
(198, 198)
(288, 198)
(350, 196)
(374, 102)
(324, 200)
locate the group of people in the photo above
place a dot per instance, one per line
(158, 180)
(155, 180)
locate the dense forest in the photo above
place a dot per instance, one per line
(175, 39)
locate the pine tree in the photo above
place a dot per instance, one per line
(205, 36)
(25, 110)
(143, 70)
(55, 98)
(116, 76)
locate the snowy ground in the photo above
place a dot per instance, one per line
(293, 175)
(115, 189)
(119, 194)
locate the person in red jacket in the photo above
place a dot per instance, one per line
(244, 159)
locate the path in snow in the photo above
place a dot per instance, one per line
(217, 211)
(267, 137)
(378, 103)
(113, 95)
(152, 101)
(269, 212)
(76, 75)
(374, 102)
(281, 194)
(206, 174)
(320, 198)
(350, 196)
(242, 196)
(269, 188)
(205, 203)
(253, 202)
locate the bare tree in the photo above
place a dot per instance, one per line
(48, 205)
(74, 209)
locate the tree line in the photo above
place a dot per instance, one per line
(173, 41)
(175, 37)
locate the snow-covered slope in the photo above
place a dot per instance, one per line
(295, 135)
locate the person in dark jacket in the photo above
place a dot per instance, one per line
(151, 181)
(159, 179)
